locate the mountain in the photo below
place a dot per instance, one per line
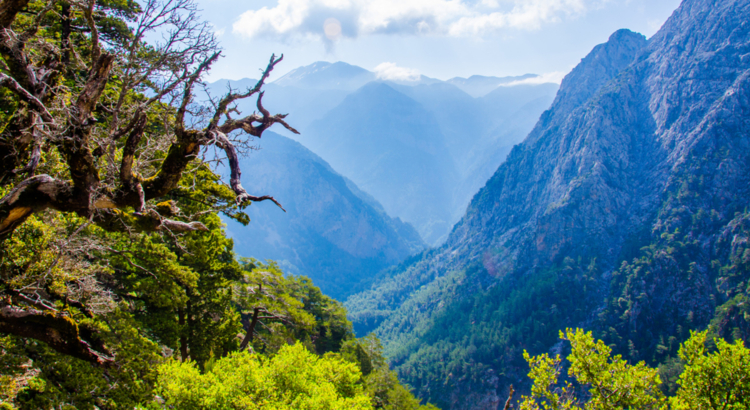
(479, 85)
(479, 132)
(624, 212)
(326, 76)
(393, 149)
(332, 232)
(474, 134)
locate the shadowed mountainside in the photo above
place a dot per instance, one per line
(332, 232)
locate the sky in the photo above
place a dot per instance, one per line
(437, 38)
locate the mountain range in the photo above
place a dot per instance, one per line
(421, 148)
(624, 211)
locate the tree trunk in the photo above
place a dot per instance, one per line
(250, 328)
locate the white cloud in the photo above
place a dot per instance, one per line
(390, 71)
(553, 77)
(458, 18)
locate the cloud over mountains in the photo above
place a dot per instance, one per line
(294, 19)
(390, 71)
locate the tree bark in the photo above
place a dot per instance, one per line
(8, 11)
(58, 331)
(250, 329)
(510, 397)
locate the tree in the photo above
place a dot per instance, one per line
(278, 308)
(98, 130)
(380, 382)
(611, 382)
(292, 379)
(718, 380)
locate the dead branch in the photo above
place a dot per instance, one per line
(510, 397)
(223, 142)
(13, 85)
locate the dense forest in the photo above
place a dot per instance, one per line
(119, 287)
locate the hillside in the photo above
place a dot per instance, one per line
(331, 232)
(624, 211)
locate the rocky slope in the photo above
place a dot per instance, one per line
(624, 211)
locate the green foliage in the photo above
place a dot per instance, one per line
(469, 326)
(146, 301)
(290, 308)
(718, 380)
(65, 381)
(292, 379)
(610, 382)
(381, 383)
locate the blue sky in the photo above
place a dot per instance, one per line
(436, 38)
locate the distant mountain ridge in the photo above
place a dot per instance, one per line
(324, 75)
(475, 134)
(398, 155)
(624, 211)
(479, 85)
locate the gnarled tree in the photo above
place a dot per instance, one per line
(79, 83)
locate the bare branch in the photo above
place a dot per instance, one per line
(30, 196)
(510, 397)
(13, 85)
(265, 121)
(36, 151)
(148, 221)
(134, 138)
(97, 80)
(188, 93)
(32, 30)
(88, 12)
(231, 97)
(223, 142)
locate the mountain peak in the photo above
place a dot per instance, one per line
(600, 66)
(322, 74)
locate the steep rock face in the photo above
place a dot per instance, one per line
(567, 184)
(624, 211)
(331, 232)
